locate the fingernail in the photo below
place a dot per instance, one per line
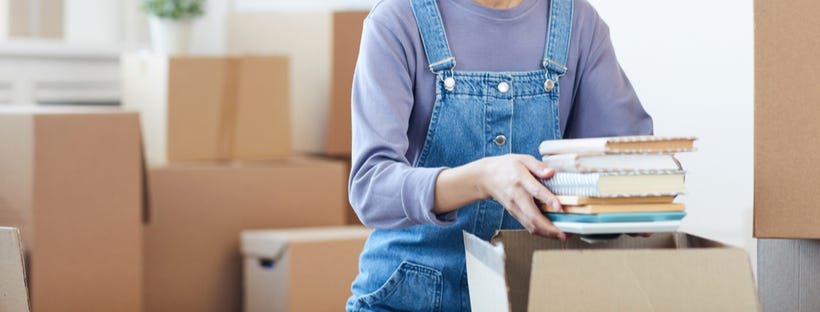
(547, 170)
(562, 236)
(556, 206)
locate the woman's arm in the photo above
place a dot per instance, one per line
(512, 180)
(384, 188)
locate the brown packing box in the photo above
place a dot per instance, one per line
(192, 258)
(347, 34)
(72, 182)
(666, 272)
(210, 108)
(786, 112)
(323, 48)
(19, 22)
(307, 269)
(13, 290)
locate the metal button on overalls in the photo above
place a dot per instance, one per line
(449, 83)
(503, 87)
(500, 140)
(549, 85)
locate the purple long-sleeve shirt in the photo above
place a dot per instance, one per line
(394, 93)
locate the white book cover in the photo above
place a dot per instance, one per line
(618, 227)
(642, 144)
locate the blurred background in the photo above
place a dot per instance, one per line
(691, 63)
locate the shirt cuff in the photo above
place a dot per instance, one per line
(418, 196)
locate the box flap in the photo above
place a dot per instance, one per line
(486, 278)
(717, 279)
(519, 247)
(13, 290)
(272, 243)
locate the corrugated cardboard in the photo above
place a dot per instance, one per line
(192, 253)
(788, 275)
(263, 112)
(288, 270)
(13, 290)
(71, 180)
(323, 47)
(786, 114)
(210, 108)
(666, 272)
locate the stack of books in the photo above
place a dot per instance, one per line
(617, 184)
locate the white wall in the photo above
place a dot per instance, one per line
(691, 63)
(93, 22)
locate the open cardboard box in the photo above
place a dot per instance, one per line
(666, 272)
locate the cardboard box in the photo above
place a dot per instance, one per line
(323, 48)
(13, 290)
(29, 19)
(210, 108)
(786, 112)
(308, 269)
(666, 272)
(197, 212)
(72, 182)
(787, 274)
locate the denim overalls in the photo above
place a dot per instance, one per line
(476, 115)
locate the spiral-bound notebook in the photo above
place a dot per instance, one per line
(617, 184)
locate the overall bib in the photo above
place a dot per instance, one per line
(476, 115)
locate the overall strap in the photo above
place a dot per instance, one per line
(433, 37)
(558, 34)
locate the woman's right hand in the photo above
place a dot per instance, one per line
(512, 180)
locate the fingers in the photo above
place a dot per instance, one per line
(533, 220)
(537, 167)
(540, 192)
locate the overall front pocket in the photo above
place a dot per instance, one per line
(411, 287)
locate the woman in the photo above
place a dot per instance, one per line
(450, 101)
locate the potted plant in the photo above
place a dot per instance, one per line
(170, 23)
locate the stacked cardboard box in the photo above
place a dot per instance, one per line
(786, 218)
(197, 211)
(72, 182)
(323, 47)
(199, 115)
(210, 108)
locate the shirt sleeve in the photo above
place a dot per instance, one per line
(385, 190)
(605, 104)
